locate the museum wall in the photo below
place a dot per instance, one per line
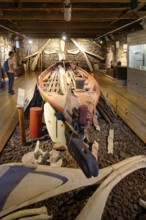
(9, 42)
(116, 49)
(6, 44)
(51, 53)
(111, 50)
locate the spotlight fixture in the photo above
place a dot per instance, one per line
(64, 37)
(100, 41)
(67, 8)
(30, 41)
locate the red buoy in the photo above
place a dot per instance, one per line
(35, 127)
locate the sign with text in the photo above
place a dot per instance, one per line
(21, 97)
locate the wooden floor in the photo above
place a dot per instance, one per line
(127, 103)
(8, 109)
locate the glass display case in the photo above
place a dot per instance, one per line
(137, 56)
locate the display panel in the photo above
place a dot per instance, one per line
(137, 56)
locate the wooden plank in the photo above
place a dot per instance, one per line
(22, 125)
(75, 16)
(58, 8)
(38, 55)
(131, 114)
(136, 80)
(8, 109)
(82, 50)
(75, 1)
(127, 103)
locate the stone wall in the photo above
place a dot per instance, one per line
(108, 50)
(54, 45)
(6, 45)
(116, 51)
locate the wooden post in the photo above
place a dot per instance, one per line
(28, 61)
(30, 64)
(41, 61)
(22, 125)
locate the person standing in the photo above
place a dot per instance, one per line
(11, 73)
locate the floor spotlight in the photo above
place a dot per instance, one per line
(64, 37)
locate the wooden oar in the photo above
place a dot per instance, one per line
(38, 55)
(71, 75)
(31, 55)
(49, 52)
(55, 127)
(93, 54)
(86, 58)
(74, 52)
(62, 80)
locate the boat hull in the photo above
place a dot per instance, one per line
(71, 95)
(66, 87)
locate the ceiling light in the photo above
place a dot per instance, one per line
(30, 41)
(100, 41)
(67, 10)
(64, 37)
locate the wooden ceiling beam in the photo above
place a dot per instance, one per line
(57, 16)
(88, 17)
(38, 31)
(140, 5)
(76, 35)
(60, 9)
(92, 31)
(73, 1)
(60, 25)
(58, 35)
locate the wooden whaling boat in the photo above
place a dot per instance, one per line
(66, 86)
(73, 94)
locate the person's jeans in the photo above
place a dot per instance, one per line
(11, 82)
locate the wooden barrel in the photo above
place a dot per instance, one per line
(35, 127)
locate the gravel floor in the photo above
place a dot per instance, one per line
(123, 201)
